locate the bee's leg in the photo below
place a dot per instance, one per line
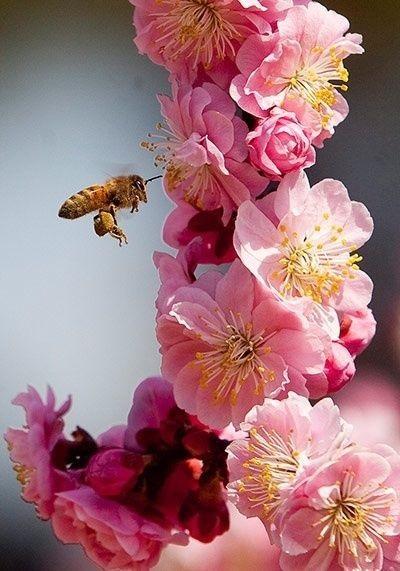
(119, 235)
(135, 205)
(113, 212)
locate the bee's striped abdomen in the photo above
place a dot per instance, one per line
(87, 200)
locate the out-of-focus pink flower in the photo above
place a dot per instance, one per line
(112, 535)
(304, 249)
(186, 34)
(280, 144)
(227, 344)
(245, 547)
(357, 329)
(31, 450)
(285, 438)
(302, 60)
(372, 405)
(204, 150)
(208, 240)
(345, 515)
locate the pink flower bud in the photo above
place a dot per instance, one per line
(339, 368)
(111, 473)
(280, 144)
(357, 330)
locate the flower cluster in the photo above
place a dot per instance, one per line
(125, 495)
(326, 502)
(256, 88)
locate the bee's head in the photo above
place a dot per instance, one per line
(138, 184)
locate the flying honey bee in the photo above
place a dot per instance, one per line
(116, 194)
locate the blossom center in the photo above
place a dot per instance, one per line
(274, 465)
(318, 80)
(23, 474)
(234, 357)
(199, 179)
(317, 265)
(353, 521)
(196, 29)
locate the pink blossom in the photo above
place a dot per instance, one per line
(113, 536)
(280, 144)
(345, 515)
(245, 547)
(303, 61)
(204, 150)
(31, 450)
(186, 34)
(284, 439)
(303, 247)
(227, 344)
(207, 239)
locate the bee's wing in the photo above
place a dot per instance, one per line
(114, 169)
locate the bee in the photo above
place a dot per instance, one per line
(116, 194)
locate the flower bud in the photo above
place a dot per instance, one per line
(112, 473)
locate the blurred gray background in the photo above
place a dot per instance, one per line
(76, 311)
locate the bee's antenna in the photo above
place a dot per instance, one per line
(153, 178)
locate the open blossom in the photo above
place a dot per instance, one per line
(188, 33)
(113, 536)
(31, 450)
(303, 61)
(204, 151)
(280, 144)
(304, 246)
(226, 345)
(284, 439)
(346, 515)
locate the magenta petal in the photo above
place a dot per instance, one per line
(152, 401)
